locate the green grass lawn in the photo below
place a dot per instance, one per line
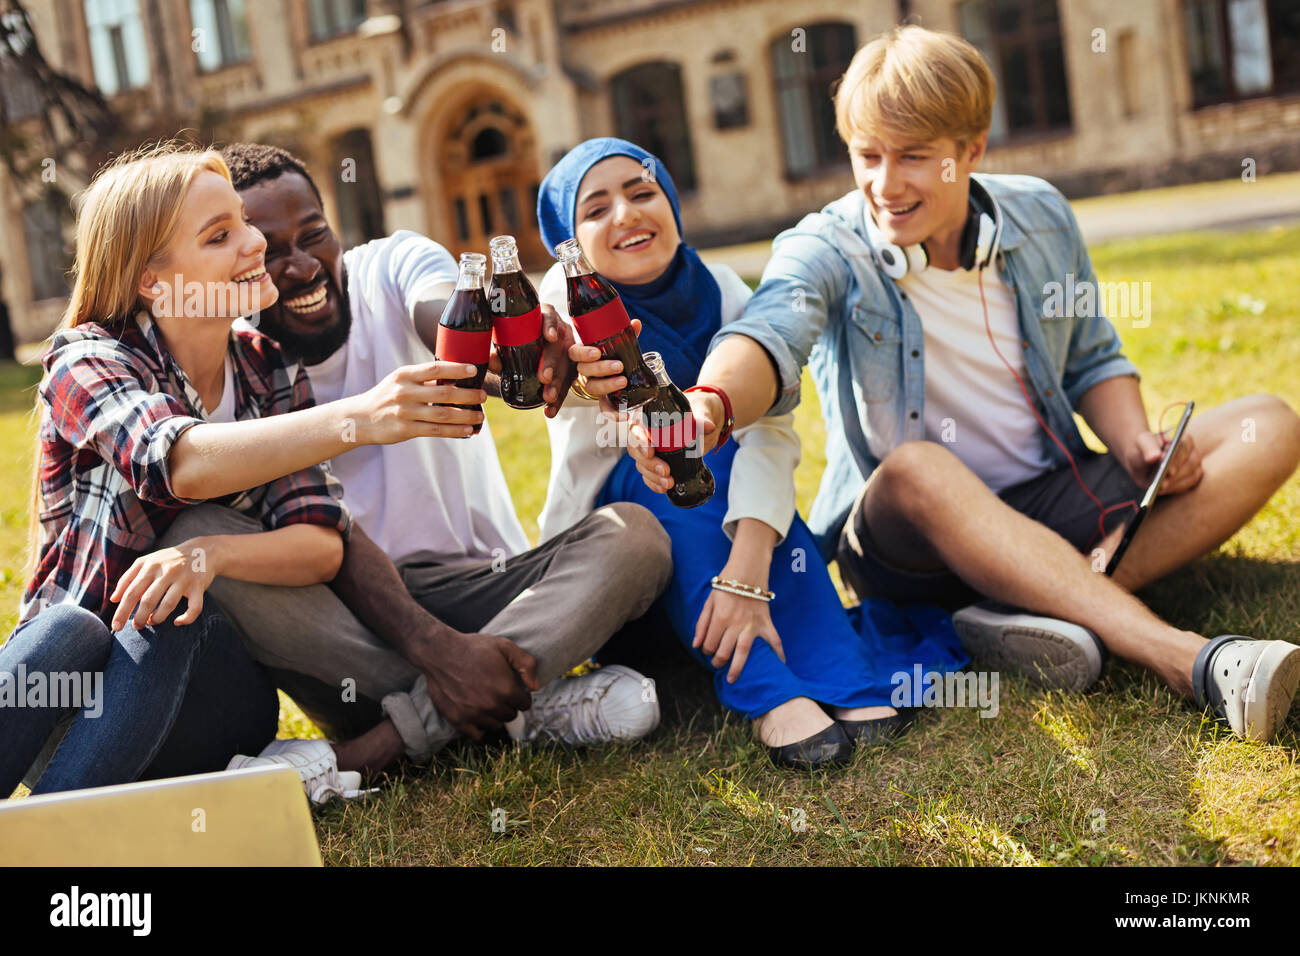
(1124, 774)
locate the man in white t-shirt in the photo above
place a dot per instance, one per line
(441, 612)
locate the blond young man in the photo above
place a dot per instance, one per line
(949, 385)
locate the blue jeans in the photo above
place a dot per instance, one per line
(171, 700)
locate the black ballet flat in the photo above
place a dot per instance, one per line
(869, 733)
(908, 717)
(826, 748)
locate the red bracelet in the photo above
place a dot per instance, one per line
(729, 419)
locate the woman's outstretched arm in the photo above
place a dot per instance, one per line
(210, 460)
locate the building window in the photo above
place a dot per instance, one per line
(730, 100)
(222, 37)
(1021, 40)
(1237, 49)
(360, 206)
(117, 46)
(1284, 38)
(804, 66)
(650, 110)
(47, 254)
(462, 219)
(509, 208)
(329, 18)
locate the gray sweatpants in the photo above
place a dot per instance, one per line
(560, 602)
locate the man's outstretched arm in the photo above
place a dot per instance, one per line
(477, 682)
(758, 360)
(743, 369)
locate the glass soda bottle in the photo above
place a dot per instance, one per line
(465, 329)
(668, 419)
(516, 326)
(602, 321)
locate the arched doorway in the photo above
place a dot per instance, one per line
(489, 177)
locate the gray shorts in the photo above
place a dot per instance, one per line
(1054, 499)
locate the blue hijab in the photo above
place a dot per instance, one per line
(681, 309)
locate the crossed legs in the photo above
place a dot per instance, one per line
(926, 511)
(560, 601)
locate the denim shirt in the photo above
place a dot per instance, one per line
(824, 302)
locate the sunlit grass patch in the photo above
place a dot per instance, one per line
(1061, 727)
(962, 838)
(1248, 800)
(294, 723)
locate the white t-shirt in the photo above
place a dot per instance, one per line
(225, 410)
(973, 404)
(444, 495)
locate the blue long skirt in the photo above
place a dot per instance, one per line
(837, 657)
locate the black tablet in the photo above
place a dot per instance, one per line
(1153, 489)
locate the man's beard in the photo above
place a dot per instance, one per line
(315, 347)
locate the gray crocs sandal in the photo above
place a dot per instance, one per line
(1248, 683)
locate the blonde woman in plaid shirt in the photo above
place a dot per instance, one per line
(147, 409)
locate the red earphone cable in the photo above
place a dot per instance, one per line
(1102, 510)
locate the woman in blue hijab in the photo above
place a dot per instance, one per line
(814, 679)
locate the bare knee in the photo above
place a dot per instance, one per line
(1280, 423)
(1265, 427)
(913, 478)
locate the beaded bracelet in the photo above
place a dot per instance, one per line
(740, 589)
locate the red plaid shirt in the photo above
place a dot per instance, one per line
(113, 404)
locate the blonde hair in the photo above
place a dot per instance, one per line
(914, 84)
(125, 221)
(126, 218)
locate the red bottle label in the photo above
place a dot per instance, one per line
(457, 345)
(519, 329)
(602, 322)
(673, 436)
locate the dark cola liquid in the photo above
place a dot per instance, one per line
(520, 386)
(467, 311)
(692, 481)
(588, 293)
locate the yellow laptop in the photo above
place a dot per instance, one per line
(253, 817)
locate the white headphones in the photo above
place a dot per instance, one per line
(979, 240)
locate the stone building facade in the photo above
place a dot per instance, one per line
(443, 116)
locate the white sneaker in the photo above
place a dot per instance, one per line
(1050, 652)
(316, 764)
(610, 703)
(1249, 683)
